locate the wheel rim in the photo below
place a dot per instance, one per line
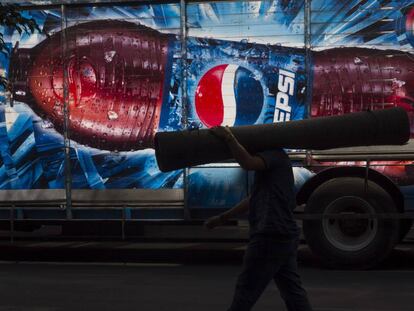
(350, 234)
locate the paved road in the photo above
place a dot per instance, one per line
(180, 287)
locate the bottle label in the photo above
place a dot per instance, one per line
(236, 83)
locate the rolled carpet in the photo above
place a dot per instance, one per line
(175, 150)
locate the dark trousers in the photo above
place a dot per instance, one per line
(268, 258)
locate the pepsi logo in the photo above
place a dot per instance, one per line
(228, 95)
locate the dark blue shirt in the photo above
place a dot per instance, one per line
(273, 198)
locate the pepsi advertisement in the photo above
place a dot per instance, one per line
(130, 73)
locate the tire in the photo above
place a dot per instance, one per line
(405, 227)
(351, 243)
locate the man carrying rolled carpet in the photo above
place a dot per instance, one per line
(272, 249)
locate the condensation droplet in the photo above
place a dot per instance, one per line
(46, 124)
(397, 83)
(21, 93)
(357, 61)
(303, 90)
(112, 115)
(109, 56)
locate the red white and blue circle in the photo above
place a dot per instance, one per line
(229, 95)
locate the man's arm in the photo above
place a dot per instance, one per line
(240, 154)
(241, 208)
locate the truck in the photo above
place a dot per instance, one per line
(89, 92)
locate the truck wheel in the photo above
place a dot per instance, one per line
(405, 227)
(351, 243)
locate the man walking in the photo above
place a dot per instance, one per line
(272, 249)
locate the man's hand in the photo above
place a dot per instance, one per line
(241, 208)
(213, 222)
(240, 154)
(222, 132)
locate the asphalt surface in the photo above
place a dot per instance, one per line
(180, 276)
(145, 286)
(196, 285)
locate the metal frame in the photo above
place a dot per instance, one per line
(66, 114)
(184, 98)
(308, 66)
(83, 201)
(87, 196)
(53, 4)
